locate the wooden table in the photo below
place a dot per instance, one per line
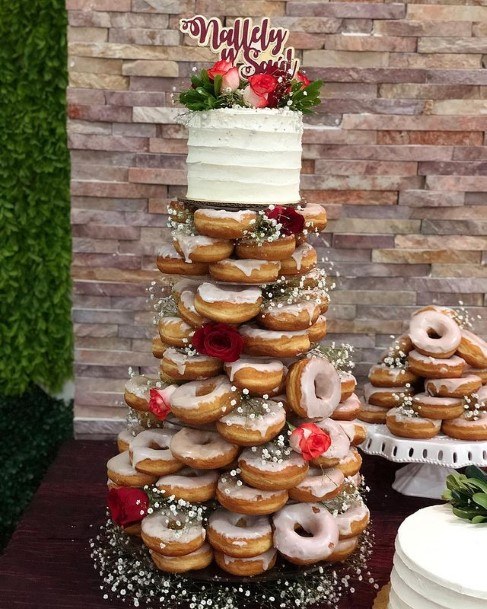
(47, 564)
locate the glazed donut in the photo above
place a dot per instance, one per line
(340, 444)
(385, 397)
(437, 309)
(315, 520)
(436, 368)
(382, 375)
(199, 402)
(239, 535)
(317, 331)
(150, 454)
(280, 249)
(175, 332)
(347, 410)
(344, 549)
(314, 216)
(348, 383)
(259, 375)
(246, 567)
(319, 485)
(158, 347)
(122, 473)
(313, 388)
(199, 248)
(184, 285)
(407, 426)
(137, 391)
(233, 306)
(258, 341)
(355, 431)
(400, 347)
(454, 388)
(199, 559)
(435, 407)
(351, 464)
(188, 311)
(480, 372)
(245, 271)
(296, 316)
(169, 261)
(125, 437)
(202, 449)
(271, 473)
(238, 497)
(243, 429)
(353, 521)
(179, 366)
(190, 485)
(302, 260)
(463, 428)
(163, 533)
(224, 224)
(473, 349)
(434, 334)
(370, 413)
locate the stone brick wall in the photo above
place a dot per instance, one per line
(396, 153)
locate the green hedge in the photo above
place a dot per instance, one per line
(35, 242)
(32, 427)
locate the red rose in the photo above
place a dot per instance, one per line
(303, 79)
(229, 74)
(159, 403)
(309, 440)
(127, 505)
(292, 222)
(218, 340)
(259, 89)
(219, 68)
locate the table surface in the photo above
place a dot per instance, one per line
(47, 563)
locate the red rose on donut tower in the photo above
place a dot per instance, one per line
(248, 409)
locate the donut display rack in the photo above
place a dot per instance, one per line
(429, 461)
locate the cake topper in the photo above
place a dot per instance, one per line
(256, 48)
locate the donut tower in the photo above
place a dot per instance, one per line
(432, 379)
(244, 448)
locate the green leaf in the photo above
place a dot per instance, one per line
(480, 499)
(217, 85)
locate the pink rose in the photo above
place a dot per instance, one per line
(228, 72)
(257, 92)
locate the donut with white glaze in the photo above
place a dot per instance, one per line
(302, 260)
(121, 472)
(125, 437)
(271, 474)
(194, 561)
(296, 316)
(246, 567)
(339, 447)
(348, 383)
(353, 521)
(150, 454)
(473, 349)
(259, 375)
(187, 310)
(436, 368)
(206, 401)
(222, 304)
(344, 549)
(243, 429)
(236, 496)
(184, 285)
(250, 272)
(137, 391)
(258, 341)
(279, 249)
(434, 334)
(239, 535)
(158, 347)
(175, 331)
(437, 407)
(314, 217)
(453, 388)
(386, 397)
(224, 224)
(317, 331)
(193, 485)
(199, 248)
(163, 533)
(371, 413)
(351, 464)
(347, 410)
(319, 485)
(416, 427)
(382, 375)
(467, 428)
(355, 431)
(179, 366)
(313, 388)
(316, 521)
(202, 449)
(169, 261)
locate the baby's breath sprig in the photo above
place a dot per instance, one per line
(340, 356)
(405, 406)
(287, 291)
(181, 219)
(253, 407)
(275, 451)
(265, 229)
(165, 307)
(462, 316)
(178, 511)
(349, 495)
(473, 407)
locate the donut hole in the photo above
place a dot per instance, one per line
(432, 333)
(302, 532)
(242, 523)
(205, 389)
(158, 445)
(175, 525)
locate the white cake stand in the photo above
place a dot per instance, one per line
(430, 461)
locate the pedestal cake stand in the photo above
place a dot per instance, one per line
(430, 461)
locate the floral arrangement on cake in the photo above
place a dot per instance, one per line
(222, 86)
(467, 494)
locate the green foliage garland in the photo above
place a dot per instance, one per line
(467, 494)
(32, 427)
(35, 242)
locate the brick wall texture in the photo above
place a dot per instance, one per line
(397, 153)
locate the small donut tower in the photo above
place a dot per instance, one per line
(432, 379)
(244, 449)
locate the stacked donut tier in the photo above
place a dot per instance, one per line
(431, 380)
(263, 441)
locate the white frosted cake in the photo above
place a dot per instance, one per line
(244, 155)
(439, 562)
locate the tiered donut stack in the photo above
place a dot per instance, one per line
(261, 434)
(431, 380)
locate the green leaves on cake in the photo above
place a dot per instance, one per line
(467, 494)
(221, 86)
